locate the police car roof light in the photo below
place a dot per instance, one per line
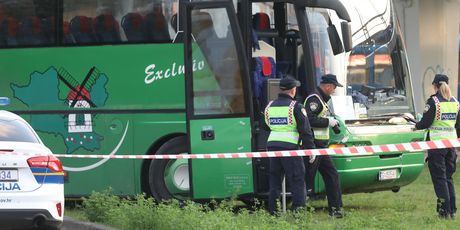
(4, 101)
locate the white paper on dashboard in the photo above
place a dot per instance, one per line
(343, 107)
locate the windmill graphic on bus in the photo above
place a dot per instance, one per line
(79, 97)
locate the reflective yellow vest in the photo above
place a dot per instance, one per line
(282, 123)
(320, 133)
(443, 126)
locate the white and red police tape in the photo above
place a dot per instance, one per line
(346, 151)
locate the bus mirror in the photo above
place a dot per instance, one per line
(334, 38)
(346, 36)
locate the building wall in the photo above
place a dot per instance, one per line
(431, 29)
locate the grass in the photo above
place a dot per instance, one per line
(411, 208)
(75, 213)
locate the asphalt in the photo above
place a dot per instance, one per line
(72, 224)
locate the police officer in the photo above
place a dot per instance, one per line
(288, 125)
(320, 120)
(440, 117)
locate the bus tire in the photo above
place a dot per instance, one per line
(156, 176)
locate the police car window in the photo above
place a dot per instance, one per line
(17, 131)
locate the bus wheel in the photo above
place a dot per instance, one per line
(169, 179)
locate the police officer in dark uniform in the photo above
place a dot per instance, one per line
(440, 118)
(288, 126)
(320, 121)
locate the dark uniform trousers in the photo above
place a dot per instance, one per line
(294, 169)
(442, 165)
(326, 168)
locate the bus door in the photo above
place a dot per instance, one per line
(217, 100)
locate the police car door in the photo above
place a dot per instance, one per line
(217, 100)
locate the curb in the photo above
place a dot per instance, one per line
(71, 224)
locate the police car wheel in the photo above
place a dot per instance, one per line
(162, 173)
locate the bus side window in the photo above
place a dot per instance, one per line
(31, 32)
(49, 29)
(107, 29)
(82, 30)
(9, 28)
(27, 23)
(156, 27)
(68, 37)
(3, 17)
(133, 26)
(2, 36)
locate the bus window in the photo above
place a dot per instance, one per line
(27, 23)
(119, 21)
(320, 38)
(377, 70)
(217, 80)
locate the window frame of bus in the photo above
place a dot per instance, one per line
(187, 7)
(308, 84)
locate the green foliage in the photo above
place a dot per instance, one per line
(412, 208)
(97, 206)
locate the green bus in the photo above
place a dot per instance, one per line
(142, 77)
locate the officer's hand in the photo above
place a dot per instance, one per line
(409, 117)
(332, 122)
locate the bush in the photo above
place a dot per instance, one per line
(411, 208)
(99, 204)
(144, 213)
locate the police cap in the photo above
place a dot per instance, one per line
(440, 77)
(288, 82)
(330, 79)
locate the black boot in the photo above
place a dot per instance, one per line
(443, 213)
(453, 213)
(335, 212)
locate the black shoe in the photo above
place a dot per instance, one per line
(452, 215)
(298, 209)
(443, 215)
(337, 213)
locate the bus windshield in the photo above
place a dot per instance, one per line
(377, 74)
(377, 71)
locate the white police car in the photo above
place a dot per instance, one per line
(31, 178)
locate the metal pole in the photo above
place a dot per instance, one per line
(283, 193)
